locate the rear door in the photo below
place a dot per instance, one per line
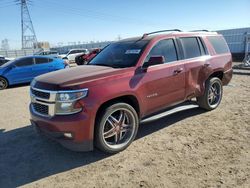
(165, 83)
(196, 59)
(21, 72)
(42, 65)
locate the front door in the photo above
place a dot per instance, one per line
(164, 84)
(21, 72)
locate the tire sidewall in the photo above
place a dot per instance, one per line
(208, 85)
(6, 83)
(99, 140)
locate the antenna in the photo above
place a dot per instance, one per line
(29, 39)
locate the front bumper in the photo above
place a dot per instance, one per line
(79, 125)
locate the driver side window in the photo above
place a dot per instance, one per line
(25, 62)
(165, 48)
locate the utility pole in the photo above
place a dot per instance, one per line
(5, 44)
(29, 39)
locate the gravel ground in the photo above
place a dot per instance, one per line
(192, 148)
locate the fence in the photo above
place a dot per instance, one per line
(18, 53)
(21, 53)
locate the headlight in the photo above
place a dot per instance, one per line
(68, 102)
(71, 96)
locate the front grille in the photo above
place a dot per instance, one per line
(40, 94)
(40, 108)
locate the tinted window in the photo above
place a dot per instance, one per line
(52, 52)
(24, 62)
(165, 48)
(191, 47)
(40, 60)
(73, 52)
(50, 60)
(219, 44)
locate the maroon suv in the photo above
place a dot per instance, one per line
(101, 104)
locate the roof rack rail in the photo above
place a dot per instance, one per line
(161, 31)
(205, 30)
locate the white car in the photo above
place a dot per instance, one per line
(54, 54)
(71, 55)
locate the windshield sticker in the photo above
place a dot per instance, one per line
(133, 51)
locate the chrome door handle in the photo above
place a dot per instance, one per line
(207, 65)
(177, 71)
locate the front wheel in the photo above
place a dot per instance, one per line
(212, 95)
(3, 83)
(116, 128)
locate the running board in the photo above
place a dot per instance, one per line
(169, 112)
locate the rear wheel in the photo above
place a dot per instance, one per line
(212, 95)
(116, 128)
(3, 83)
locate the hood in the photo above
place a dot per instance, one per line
(75, 77)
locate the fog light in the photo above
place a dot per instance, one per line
(68, 135)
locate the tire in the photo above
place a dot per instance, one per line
(212, 95)
(116, 128)
(3, 83)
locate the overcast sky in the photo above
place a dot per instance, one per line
(92, 20)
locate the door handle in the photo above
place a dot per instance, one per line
(207, 64)
(177, 71)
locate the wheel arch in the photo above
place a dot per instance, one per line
(129, 99)
(219, 74)
(5, 79)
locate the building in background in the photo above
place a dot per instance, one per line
(238, 41)
(5, 44)
(43, 45)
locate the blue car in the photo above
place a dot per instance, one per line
(24, 69)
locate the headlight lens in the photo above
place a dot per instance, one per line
(71, 96)
(67, 102)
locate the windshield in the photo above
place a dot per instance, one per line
(120, 54)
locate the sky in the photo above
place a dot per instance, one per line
(63, 21)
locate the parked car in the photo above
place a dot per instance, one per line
(53, 54)
(3, 60)
(101, 104)
(24, 69)
(71, 54)
(83, 59)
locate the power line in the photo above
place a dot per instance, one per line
(89, 13)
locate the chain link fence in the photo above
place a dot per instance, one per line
(17, 53)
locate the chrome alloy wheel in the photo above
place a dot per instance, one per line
(119, 128)
(214, 94)
(3, 83)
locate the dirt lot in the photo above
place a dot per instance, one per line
(191, 148)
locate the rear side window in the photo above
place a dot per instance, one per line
(24, 62)
(219, 44)
(50, 60)
(191, 47)
(165, 48)
(41, 60)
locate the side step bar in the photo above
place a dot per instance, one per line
(181, 107)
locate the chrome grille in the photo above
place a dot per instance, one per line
(40, 94)
(40, 108)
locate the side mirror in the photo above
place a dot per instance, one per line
(154, 60)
